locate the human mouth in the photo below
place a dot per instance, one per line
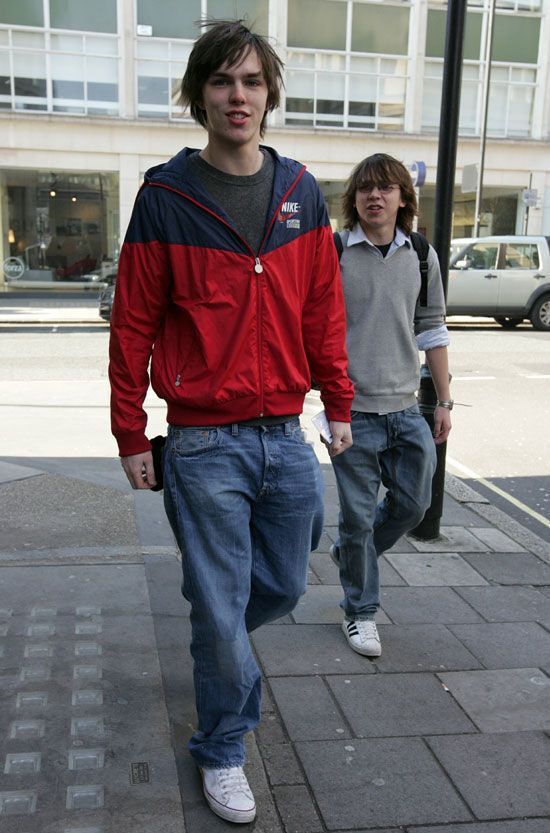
(237, 116)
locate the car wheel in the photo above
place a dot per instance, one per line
(507, 321)
(540, 314)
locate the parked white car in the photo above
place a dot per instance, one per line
(506, 278)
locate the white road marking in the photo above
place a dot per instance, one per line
(538, 376)
(472, 378)
(510, 498)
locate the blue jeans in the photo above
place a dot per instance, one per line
(398, 450)
(246, 507)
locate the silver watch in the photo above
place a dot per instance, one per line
(446, 403)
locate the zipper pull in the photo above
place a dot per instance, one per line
(258, 268)
(178, 380)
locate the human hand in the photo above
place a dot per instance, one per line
(442, 424)
(139, 470)
(341, 438)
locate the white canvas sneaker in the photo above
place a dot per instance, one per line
(362, 637)
(228, 794)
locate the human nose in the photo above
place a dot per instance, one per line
(237, 92)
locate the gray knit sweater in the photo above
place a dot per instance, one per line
(383, 318)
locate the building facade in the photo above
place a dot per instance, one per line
(88, 102)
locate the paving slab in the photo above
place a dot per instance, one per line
(321, 605)
(281, 764)
(500, 776)
(511, 568)
(506, 645)
(327, 538)
(308, 709)
(326, 570)
(422, 648)
(389, 577)
(516, 826)
(451, 539)
(379, 783)
(297, 809)
(397, 705)
(458, 514)
(507, 604)
(510, 700)
(84, 734)
(515, 530)
(298, 650)
(434, 569)
(497, 540)
(426, 605)
(11, 471)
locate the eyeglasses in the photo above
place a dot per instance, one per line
(383, 187)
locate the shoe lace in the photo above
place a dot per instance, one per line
(367, 629)
(233, 780)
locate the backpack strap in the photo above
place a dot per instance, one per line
(338, 243)
(422, 247)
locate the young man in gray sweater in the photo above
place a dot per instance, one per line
(387, 326)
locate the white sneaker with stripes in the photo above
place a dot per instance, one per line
(362, 636)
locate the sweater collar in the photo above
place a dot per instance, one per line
(357, 235)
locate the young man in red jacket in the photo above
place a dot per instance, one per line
(229, 281)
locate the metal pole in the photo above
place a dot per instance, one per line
(526, 219)
(428, 529)
(485, 99)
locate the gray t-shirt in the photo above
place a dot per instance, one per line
(245, 199)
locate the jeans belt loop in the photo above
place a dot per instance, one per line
(288, 432)
(234, 429)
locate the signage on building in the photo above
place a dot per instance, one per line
(417, 171)
(529, 197)
(469, 179)
(14, 268)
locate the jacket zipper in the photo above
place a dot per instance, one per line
(258, 268)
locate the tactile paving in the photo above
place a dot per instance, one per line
(81, 704)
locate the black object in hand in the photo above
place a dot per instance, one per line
(157, 447)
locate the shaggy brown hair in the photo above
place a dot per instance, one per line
(381, 169)
(228, 42)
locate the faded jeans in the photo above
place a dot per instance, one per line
(398, 451)
(246, 507)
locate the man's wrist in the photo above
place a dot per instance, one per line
(445, 403)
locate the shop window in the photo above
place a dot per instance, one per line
(98, 16)
(22, 12)
(62, 227)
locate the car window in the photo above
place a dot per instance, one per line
(521, 256)
(481, 255)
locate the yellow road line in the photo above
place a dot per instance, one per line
(510, 498)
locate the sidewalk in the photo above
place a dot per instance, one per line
(447, 733)
(31, 308)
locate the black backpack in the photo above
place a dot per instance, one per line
(421, 247)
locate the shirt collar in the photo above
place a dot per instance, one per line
(357, 235)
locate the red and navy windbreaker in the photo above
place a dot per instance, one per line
(234, 334)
